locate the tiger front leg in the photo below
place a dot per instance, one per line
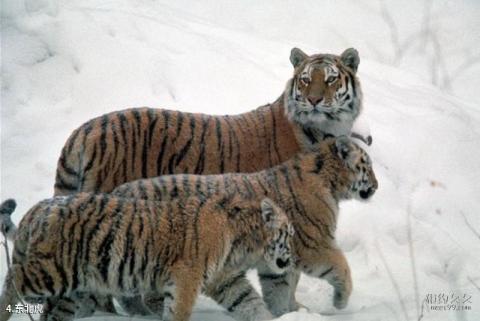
(234, 292)
(279, 290)
(155, 303)
(134, 305)
(332, 266)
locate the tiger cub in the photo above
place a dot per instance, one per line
(71, 245)
(308, 187)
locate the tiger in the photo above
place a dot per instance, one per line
(322, 99)
(67, 246)
(308, 187)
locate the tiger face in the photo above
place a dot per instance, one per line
(364, 183)
(324, 92)
(278, 252)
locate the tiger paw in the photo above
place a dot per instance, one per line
(340, 299)
(262, 315)
(296, 306)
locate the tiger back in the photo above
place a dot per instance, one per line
(322, 99)
(308, 187)
(67, 246)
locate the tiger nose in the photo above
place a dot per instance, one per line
(314, 99)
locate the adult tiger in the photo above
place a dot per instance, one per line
(323, 98)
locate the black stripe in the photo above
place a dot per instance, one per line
(116, 143)
(90, 162)
(28, 283)
(144, 156)
(146, 248)
(201, 157)
(228, 284)
(326, 272)
(174, 187)
(126, 248)
(184, 150)
(239, 299)
(268, 276)
(266, 138)
(133, 142)
(71, 141)
(233, 135)
(47, 280)
(62, 184)
(218, 127)
(81, 256)
(103, 136)
(160, 155)
(186, 185)
(126, 144)
(248, 186)
(274, 136)
(142, 190)
(151, 128)
(66, 167)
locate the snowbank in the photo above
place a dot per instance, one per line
(66, 62)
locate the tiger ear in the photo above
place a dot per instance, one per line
(297, 57)
(271, 215)
(343, 146)
(290, 229)
(350, 58)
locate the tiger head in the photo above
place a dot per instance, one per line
(279, 250)
(363, 182)
(324, 92)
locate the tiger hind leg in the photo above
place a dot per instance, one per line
(236, 294)
(58, 309)
(88, 303)
(85, 304)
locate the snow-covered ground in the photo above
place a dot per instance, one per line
(65, 62)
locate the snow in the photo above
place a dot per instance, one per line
(68, 61)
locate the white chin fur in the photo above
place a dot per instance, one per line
(275, 269)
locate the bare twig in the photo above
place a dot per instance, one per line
(465, 65)
(440, 64)
(473, 282)
(394, 282)
(469, 225)
(412, 260)
(420, 317)
(426, 28)
(5, 245)
(394, 34)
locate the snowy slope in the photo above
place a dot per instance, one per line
(65, 62)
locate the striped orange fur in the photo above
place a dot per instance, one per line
(308, 187)
(143, 142)
(71, 245)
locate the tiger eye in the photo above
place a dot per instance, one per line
(305, 81)
(331, 79)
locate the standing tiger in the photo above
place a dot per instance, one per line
(308, 187)
(322, 99)
(71, 245)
